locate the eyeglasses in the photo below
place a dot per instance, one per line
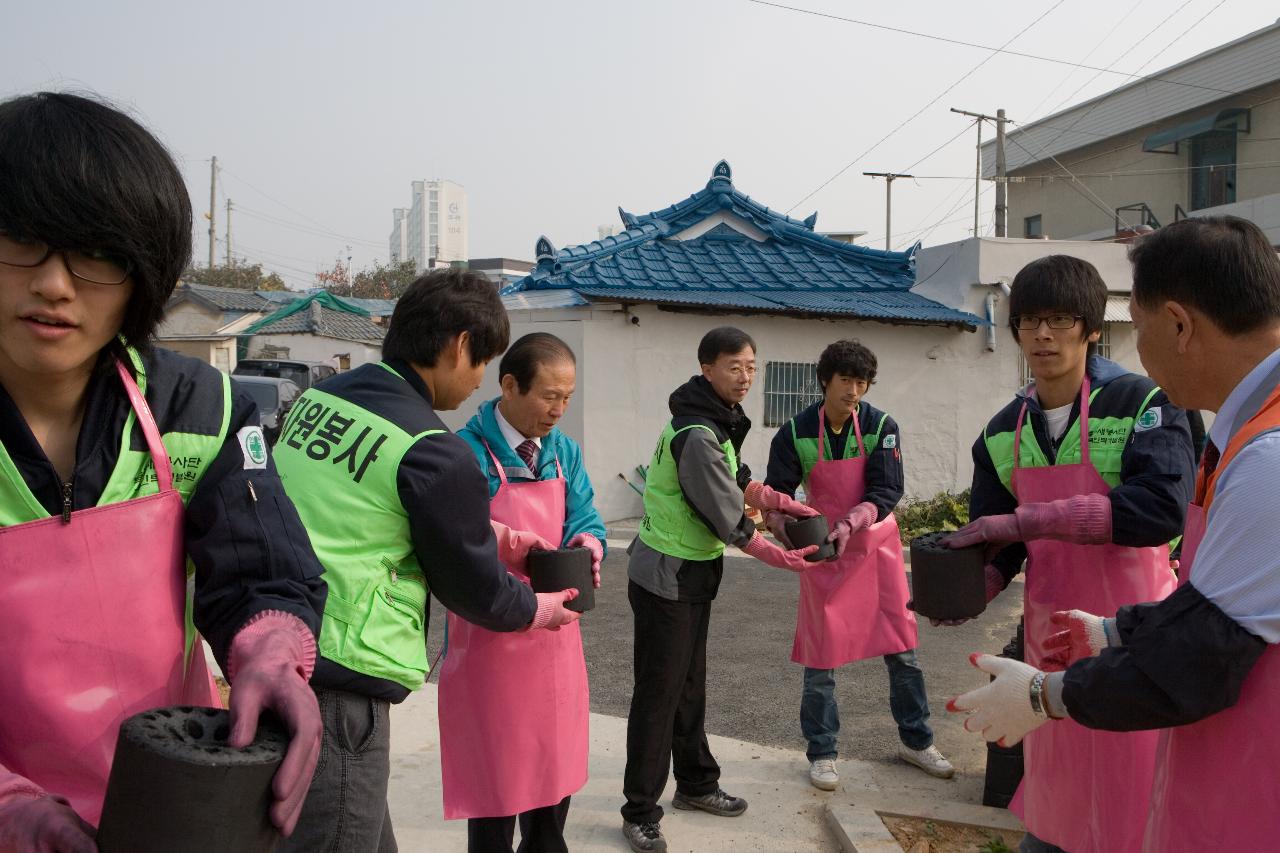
(92, 265)
(1030, 323)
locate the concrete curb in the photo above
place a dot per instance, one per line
(857, 826)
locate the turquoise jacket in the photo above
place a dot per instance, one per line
(580, 510)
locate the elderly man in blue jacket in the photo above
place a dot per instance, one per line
(512, 749)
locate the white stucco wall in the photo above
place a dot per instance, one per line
(308, 347)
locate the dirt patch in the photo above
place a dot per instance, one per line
(921, 835)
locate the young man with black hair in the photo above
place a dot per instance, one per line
(1090, 509)
(501, 694)
(848, 456)
(1201, 664)
(693, 507)
(396, 508)
(124, 470)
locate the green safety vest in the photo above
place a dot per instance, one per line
(338, 463)
(134, 475)
(1108, 437)
(807, 448)
(670, 525)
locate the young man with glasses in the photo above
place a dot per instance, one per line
(693, 507)
(1085, 476)
(124, 468)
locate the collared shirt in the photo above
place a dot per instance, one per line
(513, 436)
(1237, 566)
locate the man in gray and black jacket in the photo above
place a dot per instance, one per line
(695, 496)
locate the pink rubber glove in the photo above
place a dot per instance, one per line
(1080, 519)
(763, 498)
(859, 518)
(592, 544)
(994, 585)
(270, 663)
(552, 612)
(1000, 710)
(766, 552)
(1083, 636)
(43, 823)
(776, 522)
(514, 545)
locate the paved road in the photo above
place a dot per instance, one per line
(753, 687)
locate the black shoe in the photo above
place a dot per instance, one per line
(643, 837)
(717, 803)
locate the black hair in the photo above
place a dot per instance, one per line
(525, 356)
(77, 173)
(848, 358)
(437, 308)
(1059, 283)
(723, 340)
(1223, 266)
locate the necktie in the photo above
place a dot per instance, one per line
(1211, 457)
(528, 453)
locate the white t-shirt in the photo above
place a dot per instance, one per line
(1058, 419)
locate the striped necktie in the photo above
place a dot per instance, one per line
(528, 453)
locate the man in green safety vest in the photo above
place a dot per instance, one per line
(1085, 476)
(396, 506)
(693, 507)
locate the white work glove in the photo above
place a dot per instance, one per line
(1083, 635)
(1001, 711)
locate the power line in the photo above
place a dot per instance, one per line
(270, 197)
(917, 113)
(962, 43)
(306, 229)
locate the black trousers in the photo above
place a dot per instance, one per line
(668, 704)
(541, 831)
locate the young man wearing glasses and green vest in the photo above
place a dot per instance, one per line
(396, 507)
(1086, 476)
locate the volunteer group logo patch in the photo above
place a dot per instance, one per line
(1150, 419)
(890, 442)
(254, 447)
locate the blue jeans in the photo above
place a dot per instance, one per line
(820, 718)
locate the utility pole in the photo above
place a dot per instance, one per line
(889, 178)
(351, 281)
(1002, 186)
(229, 264)
(213, 209)
(1000, 120)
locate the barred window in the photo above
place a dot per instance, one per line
(789, 387)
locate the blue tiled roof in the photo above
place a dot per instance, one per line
(780, 265)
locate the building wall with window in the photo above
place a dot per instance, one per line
(1199, 138)
(433, 227)
(1198, 175)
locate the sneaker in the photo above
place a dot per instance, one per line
(929, 760)
(643, 837)
(823, 775)
(716, 803)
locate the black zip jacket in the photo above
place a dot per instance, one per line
(250, 554)
(1157, 473)
(1182, 659)
(883, 472)
(447, 498)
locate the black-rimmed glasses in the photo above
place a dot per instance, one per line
(1030, 322)
(91, 265)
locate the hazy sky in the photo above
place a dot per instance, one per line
(552, 114)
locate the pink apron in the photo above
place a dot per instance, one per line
(854, 607)
(513, 707)
(1084, 790)
(93, 631)
(1216, 784)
